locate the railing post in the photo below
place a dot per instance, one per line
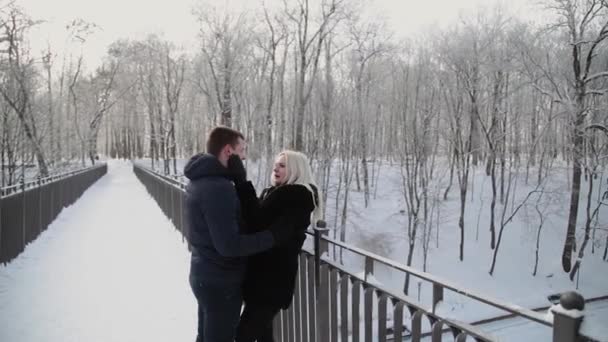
(567, 318)
(321, 284)
(23, 214)
(39, 206)
(437, 295)
(369, 267)
(320, 247)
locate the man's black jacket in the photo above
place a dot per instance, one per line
(213, 215)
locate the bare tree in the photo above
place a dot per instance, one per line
(415, 159)
(276, 37)
(172, 71)
(587, 28)
(224, 39)
(504, 219)
(367, 43)
(8, 144)
(309, 41)
(459, 141)
(591, 210)
(18, 85)
(102, 86)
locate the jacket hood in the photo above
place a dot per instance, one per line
(204, 165)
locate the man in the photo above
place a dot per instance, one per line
(217, 265)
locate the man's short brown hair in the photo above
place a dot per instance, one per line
(221, 136)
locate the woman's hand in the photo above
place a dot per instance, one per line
(237, 169)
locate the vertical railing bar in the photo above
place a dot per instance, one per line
(39, 230)
(322, 304)
(290, 317)
(368, 305)
(276, 325)
(382, 298)
(416, 326)
(437, 331)
(397, 320)
(312, 332)
(23, 215)
(344, 282)
(284, 319)
(333, 299)
(304, 296)
(356, 298)
(297, 309)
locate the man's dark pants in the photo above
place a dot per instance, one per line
(219, 308)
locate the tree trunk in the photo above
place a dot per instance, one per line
(226, 100)
(581, 251)
(463, 197)
(51, 112)
(576, 186)
(493, 205)
(410, 256)
(540, 227)
(92, 148)
(474, 148)
(452, 163)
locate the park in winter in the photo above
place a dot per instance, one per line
(458, 154)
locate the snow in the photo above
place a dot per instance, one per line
(573, 313)
(111, 267)
(382, 229)
(594, 324)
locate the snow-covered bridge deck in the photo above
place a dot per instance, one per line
(111, 267)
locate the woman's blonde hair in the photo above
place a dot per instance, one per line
(298, 171)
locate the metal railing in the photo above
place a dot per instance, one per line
(334, 303)
(23, 186)
(169, 194)
(28, 208)
(339, 288)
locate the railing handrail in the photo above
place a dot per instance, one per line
(515, 309)
(15, 188)
(173, 181)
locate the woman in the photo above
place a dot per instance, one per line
(270, 276)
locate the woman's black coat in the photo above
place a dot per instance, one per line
(270, 276)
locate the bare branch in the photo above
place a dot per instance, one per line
(554, 97)
(597, 91)
(596, 76)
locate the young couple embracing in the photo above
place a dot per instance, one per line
(244, 248)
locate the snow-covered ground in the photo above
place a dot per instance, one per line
(594, 321)
(381, 228)
(111, 267)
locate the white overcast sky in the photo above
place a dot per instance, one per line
(173, 18)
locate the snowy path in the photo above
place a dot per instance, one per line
(110, 268)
